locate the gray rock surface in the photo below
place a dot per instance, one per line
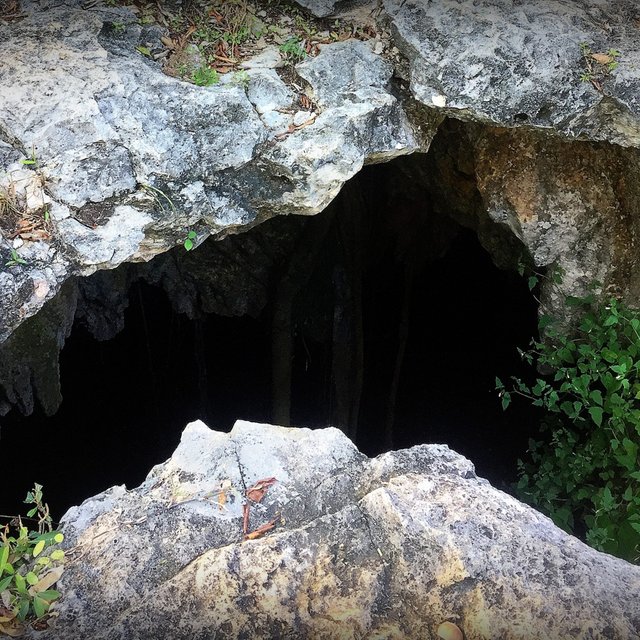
(130, 160)
(383, 548)
(514, 64)
(134, 159)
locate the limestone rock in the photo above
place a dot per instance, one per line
(135, 158)
(521, 64)
(383, 548)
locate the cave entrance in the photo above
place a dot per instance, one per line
(383, 315)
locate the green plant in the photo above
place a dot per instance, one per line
(159, 197)
(205, 76)
(241, 78)
(26, 571)
(15, 259)
(292, 49)
(189, 240)
(597, 66)
(145, 51)
(586, 472)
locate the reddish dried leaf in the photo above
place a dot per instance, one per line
(35, 235)
(261, 530)
(257, 491)
(245, 518)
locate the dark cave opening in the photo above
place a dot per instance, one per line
(399, 326)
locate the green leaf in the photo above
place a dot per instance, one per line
(532, 282)
(40, 607)
(188, 244)
(32, 578)
(37, 550)
(23, 610)
(506, 400)
(5, 582)
(596, 415)
(49, 595)
(145, 51)
(57, 555)
(596, 396)
(21, 583)
(58, 537)
(4, 556)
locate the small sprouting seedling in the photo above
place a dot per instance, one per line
(27, 573)
(598, 65)
(293, 49)
(188, 241)
(39, 509)
(15, 259)
(241, 78)
(205, 76)
(31, 161)
(118, 27)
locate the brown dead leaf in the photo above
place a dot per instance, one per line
(245, 518)
(305, 102)
(261, 530)
(13, 628)
(257, 491)
(602, 58)
(308, 122)
(47, 581)
(168, 42)
(36, 235)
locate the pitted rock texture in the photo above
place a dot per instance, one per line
(133, 159)
(362, 548)
(520, 63)
(126, 161)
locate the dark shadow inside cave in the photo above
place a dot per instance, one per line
(390, 321)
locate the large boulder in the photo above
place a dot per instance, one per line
(336, 545)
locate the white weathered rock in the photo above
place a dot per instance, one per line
(268, 58)
(110, 130)
(267, 92)
(382, 548)
(520, 64)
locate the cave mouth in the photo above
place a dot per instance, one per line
(396, 323)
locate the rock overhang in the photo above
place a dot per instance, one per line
(132, 157)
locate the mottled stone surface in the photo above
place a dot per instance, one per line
(362, 548)
(134, 159)
(130, 160)
(519, 64)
